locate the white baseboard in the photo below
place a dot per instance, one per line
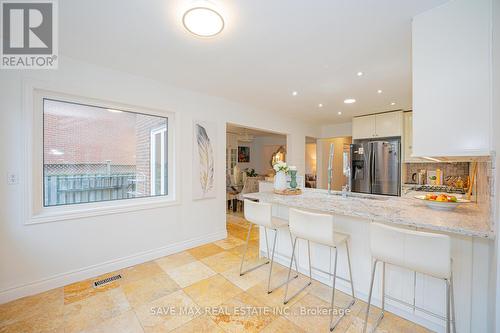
(345, 287)
(60, 280)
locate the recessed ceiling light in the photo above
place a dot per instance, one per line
(203, 21)
(359, 73)
(294, 93)
(339, 113)
(349, 101)
(379, 91)
(320, 105)
(393, 103)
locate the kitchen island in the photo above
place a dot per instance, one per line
(467, 219)
(468, 227)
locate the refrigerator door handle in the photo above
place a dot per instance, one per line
(372, 167)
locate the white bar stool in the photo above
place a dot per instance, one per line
(318, 228)
(261, 214)
(423, 252)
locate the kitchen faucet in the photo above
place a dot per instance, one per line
(330, 169)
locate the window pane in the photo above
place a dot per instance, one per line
(97, 154)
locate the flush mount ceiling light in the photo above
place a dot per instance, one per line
(379, 91)
(320, 105)
(294, 93)
(359, 73)
(349, 101)
(203, 22)
(339, 113)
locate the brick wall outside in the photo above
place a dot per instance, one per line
(81, 139)
(144, 126)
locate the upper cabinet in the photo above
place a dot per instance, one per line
(363, 127)
(378, 125)
(408, 139)
(452, 80)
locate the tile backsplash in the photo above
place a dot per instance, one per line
(448, 169)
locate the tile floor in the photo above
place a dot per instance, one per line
(172, 293)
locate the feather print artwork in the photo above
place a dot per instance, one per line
(206, 155)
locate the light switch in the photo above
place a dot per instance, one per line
(12, 178)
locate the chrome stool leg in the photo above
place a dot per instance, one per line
(381, 315)
(353, 300)
(286, 300)
(269, 290)
(246, 249)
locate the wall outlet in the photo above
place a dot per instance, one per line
(12, 178)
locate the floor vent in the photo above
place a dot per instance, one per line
(105, 281)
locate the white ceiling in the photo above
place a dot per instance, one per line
(268, 49)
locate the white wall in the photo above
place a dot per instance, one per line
(495, 300)
(336, 130)
(34, 258)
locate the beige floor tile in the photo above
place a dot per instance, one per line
(190, 273)
(80, 290)
(247, 280)
(149, 289)
(205, 251)
(393, 323)
(252, 251)
(167, 313)
(222, 261)
(282, 325)
(275, 299)
(175, 260)
(311, 314)
(357, 323)
(201, 324)
(46, 323)
(90, 312)
(240, 320)
(125, 323)
(324, 292)
(229, 242)
(212, 291)
(140, 271)
(48, 305)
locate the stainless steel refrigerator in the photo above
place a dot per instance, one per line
(376, 166)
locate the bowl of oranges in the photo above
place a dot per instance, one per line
(442, 201)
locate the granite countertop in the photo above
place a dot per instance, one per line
(467, 219)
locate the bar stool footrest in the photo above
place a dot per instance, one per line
(344, 309)
(254, 268)
(297, 292)
(282, 284)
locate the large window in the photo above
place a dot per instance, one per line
(93, 154)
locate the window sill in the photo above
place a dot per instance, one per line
(61, 213)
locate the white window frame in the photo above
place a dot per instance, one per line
(33, 141)
(152, 160)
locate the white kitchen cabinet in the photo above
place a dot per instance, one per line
(363, 127)
(408, 139)
(451, 58)
(381, 125)
(389, 124)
